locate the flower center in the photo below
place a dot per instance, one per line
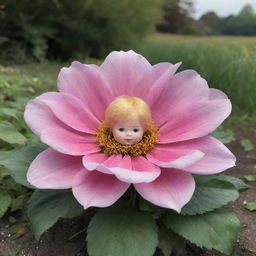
(110, 146)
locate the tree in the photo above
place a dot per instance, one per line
(242, 24)
(176, 16)
(61, 29)
(209, 21)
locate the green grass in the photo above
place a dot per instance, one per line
(227, 63)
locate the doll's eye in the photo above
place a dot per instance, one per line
(121, 129)
(135, 130)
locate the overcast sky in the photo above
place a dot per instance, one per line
(221, 7)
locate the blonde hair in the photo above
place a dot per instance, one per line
(123, 108)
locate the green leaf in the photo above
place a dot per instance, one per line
(4, 155)
(120, 230)
(224, 136)
(251, 206)
(9, 112)
(46, 207)
(250, 177)
(210, 193)
(9, 133)
(18, 202)
(214, 230)
(5, 201)
(170, 241)
(237, 183)
(19, 161)
(247, 144)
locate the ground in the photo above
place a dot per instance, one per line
(64, 238)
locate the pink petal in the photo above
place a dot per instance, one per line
(123, 70)
(97, 189)
(68, 141)
(188, 109)
(38, 116)
(71, 111)
(53, 170)
(94, 162)
(171, 157)
(172, 189)
(126, 169)
(154, 85)
(217, 157)
(178, 89)
(196, 120)
(87, 83)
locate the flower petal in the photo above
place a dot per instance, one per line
(71, 111)
(154, 84)
(38, 116)
(53, 170)
(94, 162)
(195, 121)
(217, 157)
(126, 169)
(123, 70)
(171, 157)
(97, 189)
(190, 108)
(87, 83)
(172, 189)
(68, 141)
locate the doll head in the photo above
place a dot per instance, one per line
(128, 118)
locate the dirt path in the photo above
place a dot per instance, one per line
(57, 242)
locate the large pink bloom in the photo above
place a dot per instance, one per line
(184, 108)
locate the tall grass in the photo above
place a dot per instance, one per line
(227, 63)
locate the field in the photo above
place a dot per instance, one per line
(227, 63)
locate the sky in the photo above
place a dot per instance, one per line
(221, 7)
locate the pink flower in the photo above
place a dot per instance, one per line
(184, 109)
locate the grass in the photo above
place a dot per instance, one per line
(227, 63)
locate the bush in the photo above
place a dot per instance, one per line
(62, 28)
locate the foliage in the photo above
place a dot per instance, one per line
(251, 206)
(169, 241)
(247, 144)
(5, 202)
(242, 24)
(18, 163)
(216, 229)
(250, 177)
(46, 207)
(225, 136)
(61, 29)
(210, 21)
(210, 194)
(17, 86)
(176, 18)
(122, 230)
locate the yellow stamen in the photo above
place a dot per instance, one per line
(110, 146)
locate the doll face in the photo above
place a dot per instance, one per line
(128, 132)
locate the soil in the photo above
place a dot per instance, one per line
(60, 239)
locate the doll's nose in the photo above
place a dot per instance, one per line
(128, 133)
